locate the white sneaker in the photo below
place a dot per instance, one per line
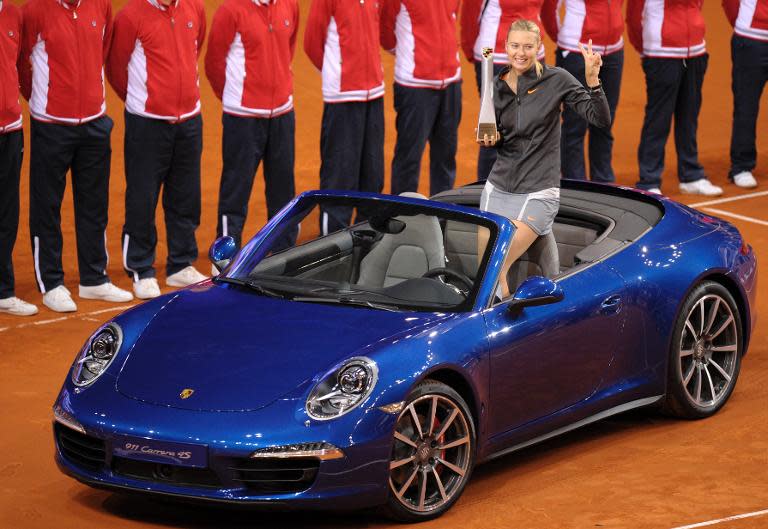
(59, 300)
(745, 179)
(655, 190)
(214, 271)
(185, 277)
(105, 292)
(146, 288)
(701, 186)
(17, 307)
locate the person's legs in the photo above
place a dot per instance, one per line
(342, 134)
(11, 154)
(687, 110)
(662, 82)
(749, 75)
(148, 151)
(242, 149)
(278, 171)
(52, 149)
(416, 110)
(487, 155)
(444, 138)
(181, 195)
(601, 140)
(574, 127)
(372, 155)
(522, 240)
(90, 190)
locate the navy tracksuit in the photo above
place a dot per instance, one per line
(86, 150)
(673, 88)
(352, 152)
(749, 75)
(11, 154)
(574, 127)
(161, 155)
(487, 155)
(247, 141)
(426, 114)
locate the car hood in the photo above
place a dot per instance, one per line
(240, 351)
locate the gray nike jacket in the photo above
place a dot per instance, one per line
(529, 122)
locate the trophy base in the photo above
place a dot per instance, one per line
(486, 128)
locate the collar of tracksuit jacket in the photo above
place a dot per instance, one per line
(527, 84)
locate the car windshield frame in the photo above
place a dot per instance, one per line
(242, 266)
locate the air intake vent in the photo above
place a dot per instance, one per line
(173, 474)
(80, 449)
(275, 475)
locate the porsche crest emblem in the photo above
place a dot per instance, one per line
(185, 394)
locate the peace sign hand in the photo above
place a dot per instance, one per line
(592, 64)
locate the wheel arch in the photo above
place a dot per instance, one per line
(733, 288)
(461, 384)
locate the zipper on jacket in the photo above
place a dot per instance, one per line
(178, 63)
(271, 37)
(79, 76)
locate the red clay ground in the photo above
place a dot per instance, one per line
(634, 471)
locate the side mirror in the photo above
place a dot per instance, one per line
(221, 252)
(534, 291)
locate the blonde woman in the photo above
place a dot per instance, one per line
(524, 184)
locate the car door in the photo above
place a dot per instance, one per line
(549, 357)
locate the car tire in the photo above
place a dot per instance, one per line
(433, 453)
(705, 353)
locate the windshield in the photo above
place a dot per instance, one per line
(395, 257)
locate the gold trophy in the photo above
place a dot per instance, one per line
(486, 124)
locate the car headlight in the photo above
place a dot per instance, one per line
(98, 352)
(343, 389)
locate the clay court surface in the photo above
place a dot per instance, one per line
(634, 471)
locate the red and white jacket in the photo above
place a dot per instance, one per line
(599, 20)
(671, 29)
(250, 50)
(63, 49)
(10, 37)
(342, 41)
(422, 35)
(152, 63)
(484, 24)
(749, 18)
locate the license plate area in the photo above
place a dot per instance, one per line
(164, 452)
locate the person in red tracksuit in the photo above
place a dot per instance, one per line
(248, 64)
(342, 41)
(11, 153)
(63, 48)
(749, 73)
(484, 24)
(152, 66)
(422, 35)
(669, 35)
(602, 23)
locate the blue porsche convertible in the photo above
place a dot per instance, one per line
(377, 365)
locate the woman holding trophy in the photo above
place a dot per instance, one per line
(524, 184)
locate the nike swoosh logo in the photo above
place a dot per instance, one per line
(532, 90)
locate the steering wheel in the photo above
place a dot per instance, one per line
(449, 273)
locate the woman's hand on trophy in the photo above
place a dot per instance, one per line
(486, 140)
(592, 64)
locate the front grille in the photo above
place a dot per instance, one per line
(81, 449)
(275, 475)
(160, 472)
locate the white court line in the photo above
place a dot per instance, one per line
(730, 518)
(736, 216)
(729, 199)
(63, 318)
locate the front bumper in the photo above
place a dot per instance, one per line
(229, 474)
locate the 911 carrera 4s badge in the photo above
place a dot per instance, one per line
(185, 394)
(155, 451)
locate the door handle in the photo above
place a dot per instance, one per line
(611, 305)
